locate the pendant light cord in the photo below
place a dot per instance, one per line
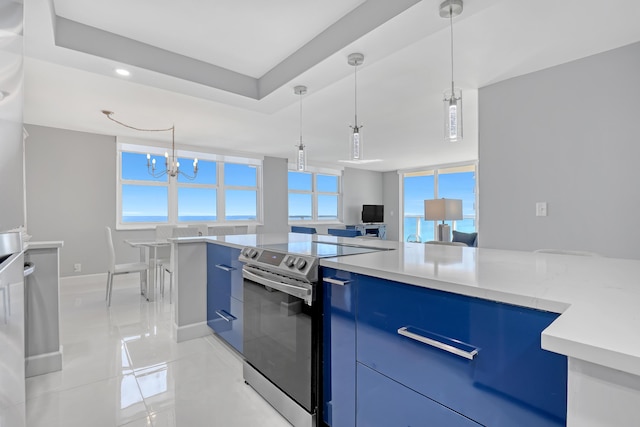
(172, 129)
(355, 97)
(451, 26)
(301, 118)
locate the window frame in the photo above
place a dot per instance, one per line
(173, 185)
(314, 171)
(436, 172)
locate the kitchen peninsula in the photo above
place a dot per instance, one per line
(596, 298)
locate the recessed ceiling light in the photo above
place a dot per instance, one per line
(122, 72)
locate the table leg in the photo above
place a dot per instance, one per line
(143, 274)
(151, 288)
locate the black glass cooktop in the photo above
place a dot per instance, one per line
(321, 249)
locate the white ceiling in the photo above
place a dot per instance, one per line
(283, 43)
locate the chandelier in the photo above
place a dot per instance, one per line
(355, 139)
(171, 163)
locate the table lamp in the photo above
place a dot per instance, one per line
(443, 210)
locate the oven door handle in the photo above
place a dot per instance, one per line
(296, 291)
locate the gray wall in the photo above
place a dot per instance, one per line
(567, 135)
(391, 201)
(275, 196)
(11, 84)
(71, 196)
(360, 187)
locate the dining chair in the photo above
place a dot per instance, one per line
(168, 266)
(343, 232)
(115, 269)
(163, 254)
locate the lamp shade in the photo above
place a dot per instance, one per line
(442, 209)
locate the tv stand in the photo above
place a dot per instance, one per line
(377, 230)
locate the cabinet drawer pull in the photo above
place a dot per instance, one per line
(336, 281)
(226, 316)
(438, 341)
(225, 267)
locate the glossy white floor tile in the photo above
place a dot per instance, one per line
(122, 367)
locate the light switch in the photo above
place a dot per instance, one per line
(541, 209)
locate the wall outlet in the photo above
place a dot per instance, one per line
(77, 268)
(541, 209)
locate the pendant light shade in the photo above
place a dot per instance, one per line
(301, 153)
(453, 96)
(355, 138)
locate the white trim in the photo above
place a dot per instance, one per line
(43, 363)
(315, 169)
(191, 331)
(435, 167)
(157, 146)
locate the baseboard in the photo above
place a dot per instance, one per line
(43, 363)
(192, 331)
(83, 279)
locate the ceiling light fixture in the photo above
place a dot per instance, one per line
(301, 154)
(123, 72)
(355, 139)
(171, 165)
(453, 97)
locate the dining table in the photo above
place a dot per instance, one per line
(149, 255)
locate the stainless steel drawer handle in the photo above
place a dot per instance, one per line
(443, 343)
(226, 316)
(336, 281)
(225, 267)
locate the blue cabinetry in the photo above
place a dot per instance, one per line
(224, 293)
(339, 348)
(384, 402)
(482, 359)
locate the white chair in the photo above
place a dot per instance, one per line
(566, 252)
(168, 267)
(115, 269)
(163, 254)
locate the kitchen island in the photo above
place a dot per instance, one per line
(596, 298)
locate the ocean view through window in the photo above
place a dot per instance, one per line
(456, 182)
(314, 196)
(222, 192)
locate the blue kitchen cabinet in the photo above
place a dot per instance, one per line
(224, 293)
(385, 402)
(511, 381)
(339, 348)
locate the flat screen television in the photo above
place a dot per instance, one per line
(372, 213)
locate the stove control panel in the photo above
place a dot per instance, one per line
(304, 266)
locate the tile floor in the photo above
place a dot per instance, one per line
(122, 367)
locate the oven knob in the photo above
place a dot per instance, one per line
(253, 253)
(289, 261)
(301, 263)
(245, 252)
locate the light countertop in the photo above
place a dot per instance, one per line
(599, 298)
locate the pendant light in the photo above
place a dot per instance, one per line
(301, 154)
(355, 139)
(453, 96)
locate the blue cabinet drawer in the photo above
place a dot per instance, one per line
(510, 381)
(227, 323)
(383, 402)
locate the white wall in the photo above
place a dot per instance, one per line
(567, 135)
(11, 85)
(275, 195)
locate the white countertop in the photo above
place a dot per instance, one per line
(43, 245)
(599, 298)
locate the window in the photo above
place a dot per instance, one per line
(314, 196)
(457, 182)
(224, 190)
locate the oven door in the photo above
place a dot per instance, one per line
(279, 335)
